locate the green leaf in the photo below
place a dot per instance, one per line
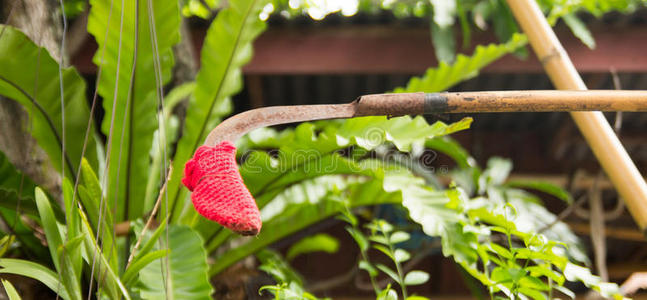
(129, 91)
(534, 294)
(291, 291)
(545, 187)
(465, 67)
(460, 244)
(304, 154)
(533, 283)
(399, 237)
(366, 266)
(385, 250)
(71, 219)
(10, 290)
(401, 255)
(111, 285)
(90, 183)
(69, 254)
(416, 277)
(389, 272)
(149, 244)
(379, 239)
(359, 238)
(5, 243)
(195, 8)
(387, 294)
(381, 226)
(532, 217)
(496, 173)
(273, 263)
(503, 252)
(227, 48)
(319, 242)
(564, 290)
(37, 88)
(34, 271)
(494, 217)
(50, 225)
(90, 195)
(573, 272)
(68, 271)
(176, 95)
(579, 30)
(133, 270)
(547, 271)
(465, 24)
(185, 273)
(426, 206)
(505, 26)
(444, 42)
(453, 149)
(508, 274)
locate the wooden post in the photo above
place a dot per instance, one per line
(594, 127)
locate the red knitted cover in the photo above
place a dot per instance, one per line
(218, 190)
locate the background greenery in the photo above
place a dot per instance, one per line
(497, 232)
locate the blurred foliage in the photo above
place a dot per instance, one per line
(448, 19)
(497, 231)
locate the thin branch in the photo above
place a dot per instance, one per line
(151, 217)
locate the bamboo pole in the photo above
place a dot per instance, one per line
(594, 127)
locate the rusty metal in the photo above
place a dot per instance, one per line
(421, 103)
(393, 105)
(236, 126)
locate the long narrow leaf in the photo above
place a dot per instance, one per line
(111, 284)
(150, 243)
(35, 271)
(127, 85)
(70, 276)
(10, 290)
(139, 264)
(89, 193)
(50, 225)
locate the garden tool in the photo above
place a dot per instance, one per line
(218, 191)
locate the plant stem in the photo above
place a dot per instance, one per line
(363, 253)
(150, 218)
(376, 288)
(397, 265)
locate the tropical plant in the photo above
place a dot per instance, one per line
(498, 233)
(321, 169)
